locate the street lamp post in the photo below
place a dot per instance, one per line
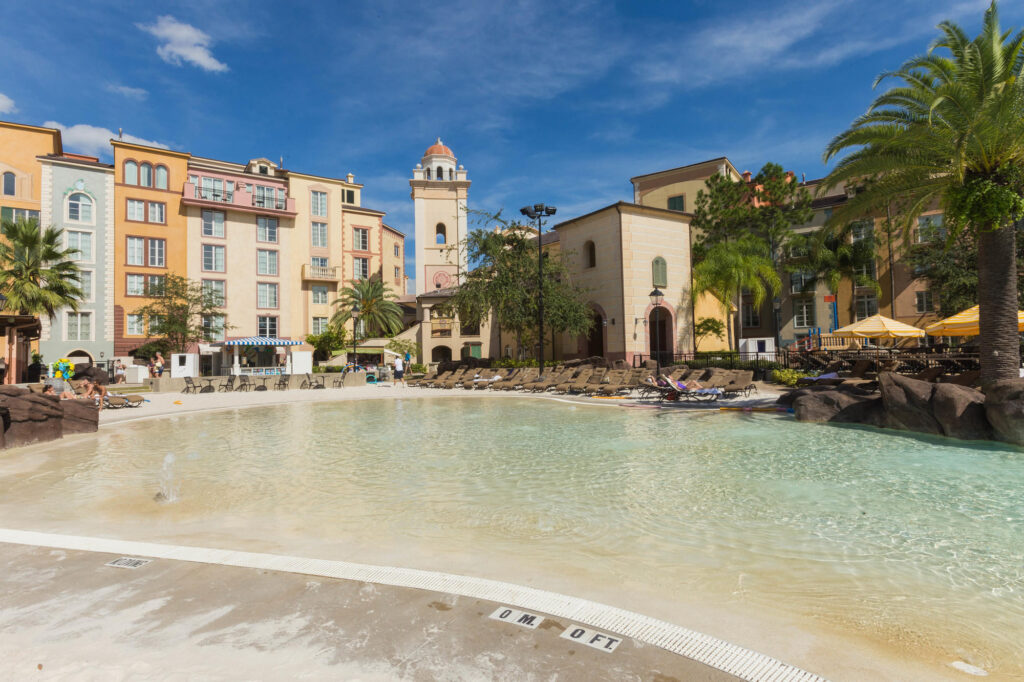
(537, 212)
(656, 298)
(355, 331)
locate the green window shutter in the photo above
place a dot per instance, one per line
(474, 351)
(6, 213)
(677, 203)
(659, 272)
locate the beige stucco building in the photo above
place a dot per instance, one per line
(440, 192)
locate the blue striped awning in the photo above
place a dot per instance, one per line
(258, 341)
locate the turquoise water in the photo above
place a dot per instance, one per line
(916, 541)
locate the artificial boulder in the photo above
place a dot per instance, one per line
(1004, 408)
(832, 404)
(80, 416)
(32, 418)
(907, 403)
(960, 411)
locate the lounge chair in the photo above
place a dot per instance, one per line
(580, 379)
(510, 375)
(611, 381)
(282, 382)
(524, 377)
(118, 401)
(930, 374)
(742, 382)
(626, 385)
(970, 378)
(455, 379)
(595, 379)
(441, 376)
(312, 382)
(484, 379)
(228, 384)
(553, 379)
(425, 379)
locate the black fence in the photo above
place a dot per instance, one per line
(903, 361)
(729, 360)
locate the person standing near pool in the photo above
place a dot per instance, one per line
(399, 371)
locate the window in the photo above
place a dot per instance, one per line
(428, 174)
(157, 212)
(79, 326)
(136, 210)
(131, 173)
(319, 235)
(16, 214)
(146, 175)
(136, 251)
(213, 327)
(156, 325)
(865, 306)
(929, 229)
(135, 325)
(398, 251)
(589, 255)
(318, 262)
(266, 295)
(157, 251)
(361, 239)
(213, 224)
(828, 214)
(866, 270)
(135, 285)
(440, 234)
(924, 302)
(677, 203)
(213, 258)
(264, 170)
(267, 197)
(266, 326)
(266, 229)
(155, 285)
(862, 229)
(803, 312)
(85, 284)
(751, 315)
(318, 203)
(214, 289)
(80, 208)
(81, 241)
(266, 262)
(800, 282)
(319, 295)
(361, 268)
(9, 184)
(350, 196)
(161, 177)
(659, 272)
(398, 273)
(319, 325)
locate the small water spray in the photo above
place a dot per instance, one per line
(169, 488)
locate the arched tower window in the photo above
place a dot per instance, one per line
(659, 272)
(428, 174)
(131, 173)
(146, 175)
(440, 173)
(161, 177)
(440, 234)
(451, 173)
(589, 255)
(80, 208)
(9, 184)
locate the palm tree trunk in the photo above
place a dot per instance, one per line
(997, 297)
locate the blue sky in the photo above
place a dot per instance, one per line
(541, 100)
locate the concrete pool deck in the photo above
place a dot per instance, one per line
(181, 618)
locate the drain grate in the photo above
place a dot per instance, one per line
(128, 562)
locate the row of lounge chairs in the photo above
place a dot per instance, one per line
(244, 383)
(702, 385)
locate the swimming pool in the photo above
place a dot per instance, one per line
(917, 541)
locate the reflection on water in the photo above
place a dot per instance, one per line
(913, 539)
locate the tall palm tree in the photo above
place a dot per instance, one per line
(831, 255)
(729, 268)
(37, 274)
(952, 132)
(378, 311)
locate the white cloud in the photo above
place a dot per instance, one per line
(183, 42)
(128, 91)
(7, 104)
(93, 140)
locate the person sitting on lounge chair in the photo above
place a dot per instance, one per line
(64, 395)
(688, 386)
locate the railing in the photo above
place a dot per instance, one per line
(900, 360)
(319, 272)
(727, 359)
(215, 195)
(269, 202)
(440, 329)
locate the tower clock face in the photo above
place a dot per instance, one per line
(442, 280)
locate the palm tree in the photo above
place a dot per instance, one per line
(952, 133)
(729, 268)
(37, 274)
(831, 255)
(377, 309)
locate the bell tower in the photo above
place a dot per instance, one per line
(439, 193)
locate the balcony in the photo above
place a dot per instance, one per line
(239, 199)
(319, 273)
(440, 329)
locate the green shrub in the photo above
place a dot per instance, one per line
(417, 368)
(789, 377)
(510, 363)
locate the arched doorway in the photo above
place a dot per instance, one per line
(441, 354)
(595, 342)
(80, 357)
(659, 326)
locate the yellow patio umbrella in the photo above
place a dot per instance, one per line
(964, 323)
(878, 327)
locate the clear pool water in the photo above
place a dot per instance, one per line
(916, 541)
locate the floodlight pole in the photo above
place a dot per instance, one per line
(537, 212)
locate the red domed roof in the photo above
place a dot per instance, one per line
(438, 148)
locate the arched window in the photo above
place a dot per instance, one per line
(80, 208)
(131, 173)
(428, 174)
(146, 175)
(659, 272)
(9, 184)
(161, 177)
(589, 255)
(451, 174)
(440, 234)
(440, 173)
